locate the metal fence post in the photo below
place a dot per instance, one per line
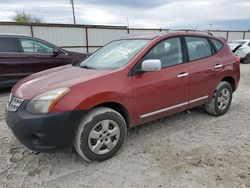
(31, 30)
(244, 34)
(87, 39)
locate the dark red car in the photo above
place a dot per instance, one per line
(21, 56)
(127, 82)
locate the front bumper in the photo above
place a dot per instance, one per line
(44, 133)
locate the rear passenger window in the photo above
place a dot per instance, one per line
(169, 51)
(198, 48)
(8, 44)
(217, 44)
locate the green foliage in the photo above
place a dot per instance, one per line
(22, 17)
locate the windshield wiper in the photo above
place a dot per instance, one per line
(87, 67)
(76, 64)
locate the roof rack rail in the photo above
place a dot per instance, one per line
(191, 30)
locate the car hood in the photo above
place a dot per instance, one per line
(64, 76)
(233, 45)
(77, 56)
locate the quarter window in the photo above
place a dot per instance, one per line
(8, 44)
(217, 44)
(198, 48)
(34, 46)
(168, 51)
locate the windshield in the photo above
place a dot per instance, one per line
(114, 55)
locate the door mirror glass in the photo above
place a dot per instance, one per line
(151, 65)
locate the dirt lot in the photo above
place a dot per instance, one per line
(184, 150)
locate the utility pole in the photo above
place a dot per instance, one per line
(73, 10)
(211, 26)
(128, 22)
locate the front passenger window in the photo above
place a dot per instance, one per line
(35, 46)
(168, 51)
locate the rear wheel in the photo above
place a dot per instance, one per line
(100, 135)
(221, 101)
(246, 60)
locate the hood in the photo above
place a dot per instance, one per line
(234, 46)
(77, 56)
(64, 76)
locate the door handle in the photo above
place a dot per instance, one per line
(182, 75)
(218, 66)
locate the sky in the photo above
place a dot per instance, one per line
(167, 14)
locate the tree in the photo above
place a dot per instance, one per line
(22, 17)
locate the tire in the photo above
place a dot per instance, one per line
(100, 135)
(246, 60)
(221, 101)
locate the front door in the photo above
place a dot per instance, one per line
(157, 94)
(38, 55)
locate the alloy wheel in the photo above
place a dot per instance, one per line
(223, 99)
(103, 137)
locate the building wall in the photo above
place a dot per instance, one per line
(15, 29)
(88, 38)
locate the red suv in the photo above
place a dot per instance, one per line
(131, 81)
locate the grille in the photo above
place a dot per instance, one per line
(13, 103)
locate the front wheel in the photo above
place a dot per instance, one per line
(100, 135)
(221, 101)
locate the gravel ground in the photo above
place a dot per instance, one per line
(184, 150)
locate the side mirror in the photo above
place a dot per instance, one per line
(56, 52)
(151, 65)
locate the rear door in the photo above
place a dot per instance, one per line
(38, 55)
(157, 94)
(202, 74)
(11, 63)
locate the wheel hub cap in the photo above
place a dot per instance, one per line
(223, 99)
(103, 137)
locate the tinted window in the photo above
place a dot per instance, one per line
(217, 44)
(249, 44)
(35, 46)
(198, 48)
(168, 51)
(8, 44)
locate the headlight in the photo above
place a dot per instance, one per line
(45, 102)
